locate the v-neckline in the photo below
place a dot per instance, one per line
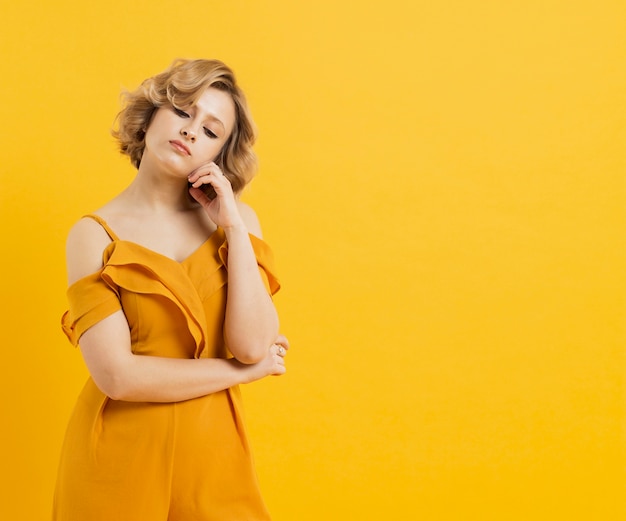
(159, 254)
(115, 238)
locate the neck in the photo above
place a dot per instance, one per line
(156, 191)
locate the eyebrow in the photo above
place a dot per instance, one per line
(217, 120)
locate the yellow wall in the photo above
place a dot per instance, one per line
(443, 186)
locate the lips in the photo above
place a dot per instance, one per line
(180, 147)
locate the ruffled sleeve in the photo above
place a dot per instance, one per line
(265, 260)
(90, 300)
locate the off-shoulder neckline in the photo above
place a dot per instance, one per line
(116, 239)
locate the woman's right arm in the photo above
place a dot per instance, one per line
(122, 375)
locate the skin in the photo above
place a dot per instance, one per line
(156, 212)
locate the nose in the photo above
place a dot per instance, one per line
(189, 134)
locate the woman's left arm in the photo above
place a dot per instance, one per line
(251, 323)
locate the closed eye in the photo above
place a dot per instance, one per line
(210, 133)
(181, 113)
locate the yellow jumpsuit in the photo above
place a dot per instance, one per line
(184, 461)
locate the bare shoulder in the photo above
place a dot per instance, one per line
(83, 249)
(250, 219)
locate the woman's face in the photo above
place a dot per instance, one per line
(183, 139)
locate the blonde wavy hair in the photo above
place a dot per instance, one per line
(181, 85)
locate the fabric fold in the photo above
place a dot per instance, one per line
(130, 267)
(265, 260)
(141, 271)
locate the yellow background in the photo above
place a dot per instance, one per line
(443, 186)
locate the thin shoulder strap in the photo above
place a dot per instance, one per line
(103, 223)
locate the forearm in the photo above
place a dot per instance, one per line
(251, 322)
(155, 379)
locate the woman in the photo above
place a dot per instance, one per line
(170, 301)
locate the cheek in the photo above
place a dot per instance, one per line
(212, 151)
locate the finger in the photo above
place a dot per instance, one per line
(282, 340)
(205, 170)
(208, 178)
(220, 183)
(280, 371)
(278, 350)
(199, 196)
(201, 170)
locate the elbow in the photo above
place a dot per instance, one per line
(251, 348)
(249, 359)
(117, 392)
(115, 387)
(249, 352)
(112, 391)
